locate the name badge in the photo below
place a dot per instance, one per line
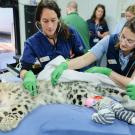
(95, 40)
(44, 59)
(112, 61)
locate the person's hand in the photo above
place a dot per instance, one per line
(102, 70)
(30, 83)
(58, 72)
(98, 33)
(131, 90)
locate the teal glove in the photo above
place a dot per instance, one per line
(102, 70)
(30, 83)
(131, 91)
(58, 72)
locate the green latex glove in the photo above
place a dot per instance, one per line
(131, 91)
(30, 83)
(102, 70)
(58, 72)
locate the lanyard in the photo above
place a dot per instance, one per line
(133, 64)
(97, 26)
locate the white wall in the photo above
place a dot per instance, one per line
(6, 20)
(125, 3)
(114, 8)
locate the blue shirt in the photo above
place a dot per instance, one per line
(102, 48)
(94, 28)
(39, 47)
(119, 26)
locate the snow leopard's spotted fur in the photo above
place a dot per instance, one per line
(16, 102)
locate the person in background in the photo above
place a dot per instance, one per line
(120, 53)
(75, 20)
(53, 38)
(97, 25)
(129, 14)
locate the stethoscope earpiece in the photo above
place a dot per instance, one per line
(38, 25)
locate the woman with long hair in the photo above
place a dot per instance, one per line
(120, 53)
(97, 25)
(52, 39)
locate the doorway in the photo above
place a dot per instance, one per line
(7, 43)
(9, 32)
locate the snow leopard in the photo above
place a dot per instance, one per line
(16, 102)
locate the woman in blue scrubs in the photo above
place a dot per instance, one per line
(120, 53)
(53, 38)
(97, 25)
(129, 14)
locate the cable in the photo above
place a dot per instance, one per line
(130, 68)
(53, 38)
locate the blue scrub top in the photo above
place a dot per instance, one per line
(119, 26)
(93, 29)
(115, 58)
(39, 47)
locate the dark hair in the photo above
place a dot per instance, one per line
(93, 17)
(62, 28)
(50, 4)
(130, 25)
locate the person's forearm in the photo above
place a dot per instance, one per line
(120, 79)
(82, 61)
(22, 73)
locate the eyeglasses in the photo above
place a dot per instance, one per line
(129, 42)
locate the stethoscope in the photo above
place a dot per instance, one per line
(55, 35)
(133, 64)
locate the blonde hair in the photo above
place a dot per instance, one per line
(131, 9)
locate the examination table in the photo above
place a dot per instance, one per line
(66, 119)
